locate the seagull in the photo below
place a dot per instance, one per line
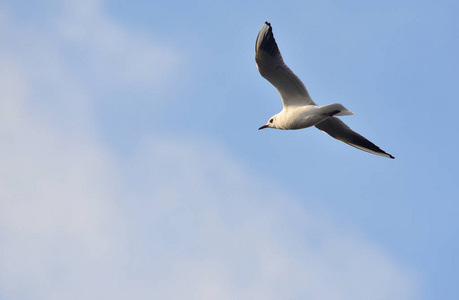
(299, 110)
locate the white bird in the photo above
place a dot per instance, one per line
(299, 110)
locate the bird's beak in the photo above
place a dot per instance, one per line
(263, 127)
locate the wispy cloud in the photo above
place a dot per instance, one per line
(180, 218)
(114, 54)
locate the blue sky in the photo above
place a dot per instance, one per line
(132, 165)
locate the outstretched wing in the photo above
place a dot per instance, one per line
(272, 68)
(340, 131)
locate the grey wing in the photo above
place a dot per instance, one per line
(272, 68)
(340, 131)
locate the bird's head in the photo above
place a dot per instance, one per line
(271, 123)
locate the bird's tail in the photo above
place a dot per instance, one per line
(336, 109)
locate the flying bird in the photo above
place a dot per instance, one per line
(299, 110)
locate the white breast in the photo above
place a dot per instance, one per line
(299, 117)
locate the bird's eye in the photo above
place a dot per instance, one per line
(270, 121)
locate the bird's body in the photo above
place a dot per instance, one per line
(299, 110)
(298, 117)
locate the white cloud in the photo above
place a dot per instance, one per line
(226, 232)
(114, 53)
(56, 193)
(180, 219)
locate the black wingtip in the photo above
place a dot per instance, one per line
(390, 156)
(266, 41)
(270, 28)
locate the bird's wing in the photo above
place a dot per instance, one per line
(272, 68)
(340, 131)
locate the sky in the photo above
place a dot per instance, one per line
(131, 164)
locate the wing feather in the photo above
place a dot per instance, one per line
(340, 131)
(272, 67)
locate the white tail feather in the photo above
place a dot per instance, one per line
(332, 108)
